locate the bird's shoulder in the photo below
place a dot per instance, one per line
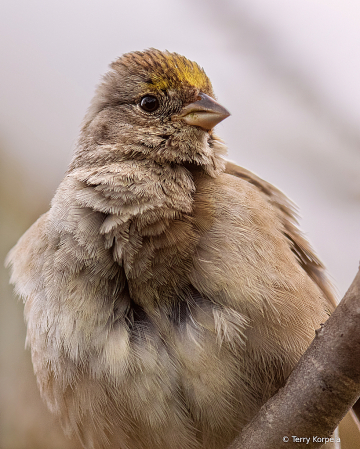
(258, 216)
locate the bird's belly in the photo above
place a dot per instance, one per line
(183, 390)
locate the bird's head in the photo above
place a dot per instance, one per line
(155, 105)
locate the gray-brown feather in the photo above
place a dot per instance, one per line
(287, 214)
(103, 283)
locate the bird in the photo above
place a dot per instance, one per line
(168, 292)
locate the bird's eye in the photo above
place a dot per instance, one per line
(149, 103)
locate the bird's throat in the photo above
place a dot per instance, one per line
(154, 241)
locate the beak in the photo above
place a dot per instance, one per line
(205, 112)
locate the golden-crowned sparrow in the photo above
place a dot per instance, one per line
(168, 293)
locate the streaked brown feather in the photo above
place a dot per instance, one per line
(288, 215)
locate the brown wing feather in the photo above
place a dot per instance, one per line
(287, 214)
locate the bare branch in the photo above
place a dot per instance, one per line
(320, 390)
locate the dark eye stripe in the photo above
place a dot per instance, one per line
(149, 103)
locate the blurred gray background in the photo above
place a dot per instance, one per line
(289, 72)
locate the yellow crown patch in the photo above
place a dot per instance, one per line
(167, 70)
(175, 70)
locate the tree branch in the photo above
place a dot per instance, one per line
(320, 390)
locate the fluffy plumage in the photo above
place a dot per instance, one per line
(168, 293)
